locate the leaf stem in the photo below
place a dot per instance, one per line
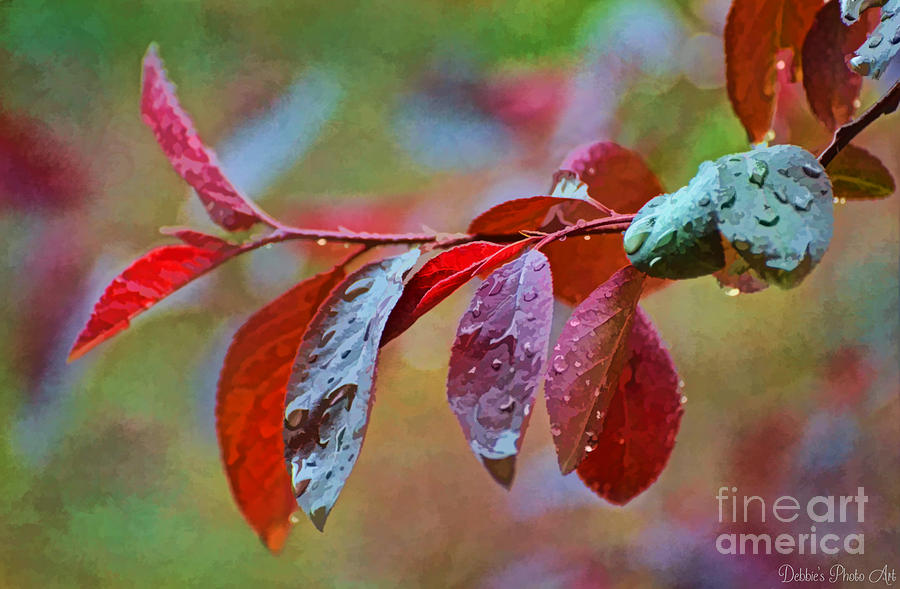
(845, 134)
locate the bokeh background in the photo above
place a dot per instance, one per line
(391, 115)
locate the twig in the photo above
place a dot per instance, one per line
(845, 134)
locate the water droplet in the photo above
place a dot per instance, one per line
(496, 287)
(780, 65)
(759, 173)
(321, 241)
(875, 40)
(770, 135)
(555, 430)
(345, 353)
(768, 222)
(312, 357)
(665, 239)
(683, 399)
(559, 364)
(508, 405)
(587, 237)
(296, 418)
(529, 296)
(574, 322)
(538, 266)
(732, 292)
(326, 337)
(496, 364)
(780, 196)
(621, 440)
(680, 384)
(295, 519)
(704, 200)
(812, 171)
(358, 288)
(527, 348)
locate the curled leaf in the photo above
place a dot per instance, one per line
(497, 360)
(250, 400)
(857, 174)
(585, 364)
(874, 55)
(330, 392)
(147, 281)
(193, 161)
(642, 420)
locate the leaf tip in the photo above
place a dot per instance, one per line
(318, 517)
(502, 470)
(274, 537)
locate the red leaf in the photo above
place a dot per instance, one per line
(754, 32)
(497, 360)
(193, 161)
(331, 389)
(615, 176)
(831, 87)
(641, 422)
(196, 238)
(618, 178)
(585, 364)
(524, 214)
(147, 281)
(434, 282)
(250, 404)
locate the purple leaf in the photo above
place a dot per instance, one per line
(498, 358)
(330, 392)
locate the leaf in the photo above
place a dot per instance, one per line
(641, 422)
(147, 281)
(874, 55)
(621, 180)
(193, 161)
(775, 207)
(754, 33)
(614, 175)
(736, 277)
(772, 204)
(857, 174)
(497, 360)
(330, 393)
(852, 9)
(250, 401)
(585, 364)
(527, 214)
(437, 280)
(832, 89)
(196, 238)
(676, 235)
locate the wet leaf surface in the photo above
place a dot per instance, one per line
(193, 161)
(440, 277)
(874, 55)
(147, 281)
(641, 423)
(527, 214)
(754, 33)
(832, 89)
(614, 175)
(775, 207)
(497, 360)
(330, 392)
(857, 174)
(250, 401)
(585, 363)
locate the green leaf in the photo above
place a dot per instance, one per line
(775, 207)
(857, 174)
(675, 235)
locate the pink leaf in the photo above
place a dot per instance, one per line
(193, 161)
(641, 423)
(497, 360)
(585, 364)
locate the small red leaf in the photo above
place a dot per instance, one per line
(331, 388)
(497, 360)
(754, 33)
(641, 422)
(193, 161)
(615, 176)
(147, 281)
(250, 402)
(196, 238)
(434, 282)
(585, 364)
(524, 214)
(831, 87)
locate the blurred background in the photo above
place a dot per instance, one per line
(390, 116)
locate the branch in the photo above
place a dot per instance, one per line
(845, 134)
